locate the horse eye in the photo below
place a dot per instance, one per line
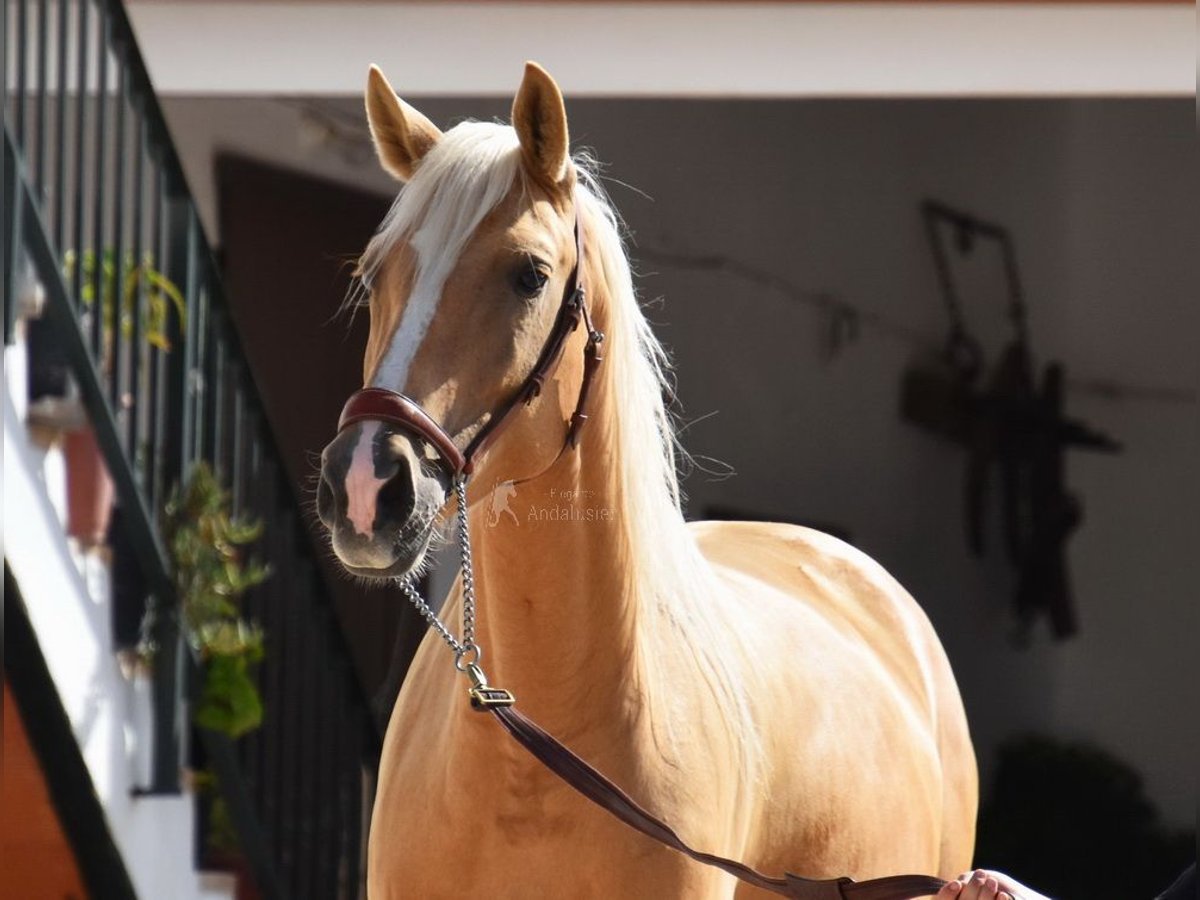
(531, 280)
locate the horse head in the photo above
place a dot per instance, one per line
(466, 279)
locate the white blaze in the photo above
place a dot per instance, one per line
(468, 172)
(362, 487)
(392, 371)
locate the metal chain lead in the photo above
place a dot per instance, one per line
(466, 652)
(410, 591)
(468, 570)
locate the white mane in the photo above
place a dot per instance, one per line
(672, 577)
(461, 180)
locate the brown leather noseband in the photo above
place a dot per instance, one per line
(384, 405)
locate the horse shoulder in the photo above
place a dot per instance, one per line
(787, 574)
(866, 678)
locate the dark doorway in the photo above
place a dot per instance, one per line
(288, 245)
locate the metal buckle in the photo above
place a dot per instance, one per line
(485, 698)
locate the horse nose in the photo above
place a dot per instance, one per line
(365, 484)
(397, 497)
(327, 499)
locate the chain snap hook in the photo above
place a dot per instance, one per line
(467, 657)
(483, 696)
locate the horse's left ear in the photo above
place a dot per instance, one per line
(540, 119)
(402, 135)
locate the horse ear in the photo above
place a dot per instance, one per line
(402, 135)
(540, 119)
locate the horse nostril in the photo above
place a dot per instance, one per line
(397, 497)
(326, 501)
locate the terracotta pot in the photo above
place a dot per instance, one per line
(90, 490)
(232, 862)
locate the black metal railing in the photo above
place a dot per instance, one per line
(89, 172)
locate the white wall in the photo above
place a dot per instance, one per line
(649, 49)
(67, 598)
(1101, 196)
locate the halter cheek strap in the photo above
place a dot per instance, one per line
(383, 405)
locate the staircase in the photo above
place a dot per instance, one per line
(89, 169)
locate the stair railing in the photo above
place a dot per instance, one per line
(90, 169)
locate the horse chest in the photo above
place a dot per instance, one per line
(500, 826)
(511, 844)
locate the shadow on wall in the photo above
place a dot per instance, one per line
(1074, 821)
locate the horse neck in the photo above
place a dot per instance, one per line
(559, 583)
(557, 588)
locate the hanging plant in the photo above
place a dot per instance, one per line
(207, 545)
(90, 490)
(162, 295)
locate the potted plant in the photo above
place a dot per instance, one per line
(206, 543)
(212, 573)
(119, 296)
(90, 491)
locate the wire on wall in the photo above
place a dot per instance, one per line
(846, 321)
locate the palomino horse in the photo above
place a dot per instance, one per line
(768, 690)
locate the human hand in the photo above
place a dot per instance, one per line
(982, 884)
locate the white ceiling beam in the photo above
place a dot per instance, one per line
(674, 49)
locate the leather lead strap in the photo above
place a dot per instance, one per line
(591, 784)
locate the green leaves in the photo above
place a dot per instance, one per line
(137, 280)
(206, 544)
(229, 701)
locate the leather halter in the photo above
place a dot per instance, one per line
(384, 405)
